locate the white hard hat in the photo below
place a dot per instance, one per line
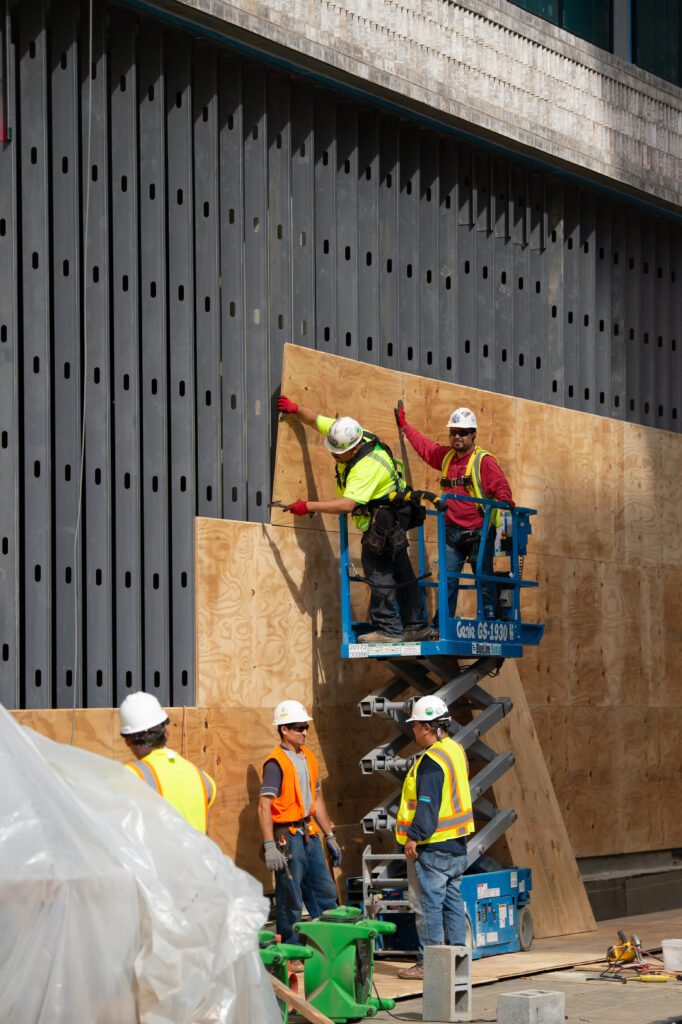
(288, 711)
(343, 435)
(140, 712)
(464, 418)
(429, 709)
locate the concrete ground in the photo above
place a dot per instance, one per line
(595, 1001)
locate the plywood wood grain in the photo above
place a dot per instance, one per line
(539, 838)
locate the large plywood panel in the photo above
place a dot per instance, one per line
(539, 838)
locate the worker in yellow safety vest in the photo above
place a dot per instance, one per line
(434, 818)
(144, 727)
(465, 469)
(366, 473)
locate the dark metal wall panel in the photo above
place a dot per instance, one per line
(389, 189)
(502, 271)
(602, 309)
(302, 250)
(230, 128)
(586, 304)
(181, 389)
(555, 293)
(484, 283)
(154, 366)
(519, 350)
(125, 356)
(615, 315)
(408, 250)
(368, 236)
(97, 482)
(443, 344)
(326, 336)
(427, 269)
(37, 369)
(10, 451)
(207, 274)
(347, 229)
(464, 354)
(633, 316)
(256, 293)
(647, 341)
(282, 221)
(674, 341)
(571, 298)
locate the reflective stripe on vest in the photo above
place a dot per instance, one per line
(147, 774)
(471, 481)
(178, 781)
(288, 806)
(455, 815)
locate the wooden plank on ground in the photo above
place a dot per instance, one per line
(538, 839)
(545, 954)
(301, 1005)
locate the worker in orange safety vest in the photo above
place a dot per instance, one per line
(290, 809)
(144, 727)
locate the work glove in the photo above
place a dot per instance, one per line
(334, 850)
(286, 406)
(274, 861)
(297, 508)
(400, 416)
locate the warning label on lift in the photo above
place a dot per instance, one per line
(388, 650)
(486, 649)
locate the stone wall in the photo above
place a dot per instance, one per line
(487, 67)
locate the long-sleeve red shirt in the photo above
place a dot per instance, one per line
(493, 481)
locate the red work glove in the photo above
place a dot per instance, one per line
(286, 406)
(298, 508)
(401, 417)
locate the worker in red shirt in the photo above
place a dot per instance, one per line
(465, 469)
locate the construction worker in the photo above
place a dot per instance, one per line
(290, 809)
(366, 473)
(434, 817)
(144, 727)
(465, 469)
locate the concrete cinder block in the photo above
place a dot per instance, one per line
(447, 983)
(532, 1006)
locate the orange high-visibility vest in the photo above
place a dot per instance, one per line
(288, 806)
(178, 781)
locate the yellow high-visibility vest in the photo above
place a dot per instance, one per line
(178, 781)
(472, 479)
(455, 815)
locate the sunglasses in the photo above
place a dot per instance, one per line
(299, 727)
(460, 433)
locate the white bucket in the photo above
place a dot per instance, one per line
(672, 954)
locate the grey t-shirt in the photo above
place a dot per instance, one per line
(272, 778)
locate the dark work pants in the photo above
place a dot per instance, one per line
(394, 609)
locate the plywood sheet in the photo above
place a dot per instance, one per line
(539, 839)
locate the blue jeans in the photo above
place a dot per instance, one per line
(434, 888)
(313, 882)
(457, 552)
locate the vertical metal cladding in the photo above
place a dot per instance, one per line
(172, 213)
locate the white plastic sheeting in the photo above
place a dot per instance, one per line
(113, 909)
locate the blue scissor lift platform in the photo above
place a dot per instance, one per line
(435, 667)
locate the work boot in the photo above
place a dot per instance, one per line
(413, 973)
(413, 633)
(296, 966)
(377, 637)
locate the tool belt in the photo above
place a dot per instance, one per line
(386, 534)
(287, 828)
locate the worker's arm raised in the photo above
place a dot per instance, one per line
(290, 408)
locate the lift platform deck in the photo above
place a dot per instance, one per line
(503, 636)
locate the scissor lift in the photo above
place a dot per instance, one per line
(503, 636)
(434, 667)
